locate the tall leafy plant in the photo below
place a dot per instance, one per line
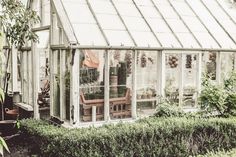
(220, 98)
(16, 21)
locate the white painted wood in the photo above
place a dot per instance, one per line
(24, 78)
(181, 78)
(51, 58)
(134, 83)
(25, 107)
(93, 113)
(74, 89)
(62, 85)
(29, 75)
(107, 88)
(14, 70)
(218, 67)
(199, 72)
(159, 75)
(64, 19)
(163, 74)
(35, 76)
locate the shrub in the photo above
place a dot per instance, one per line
(222, 153)
(219, 98)
(167, 109)
(148, 137)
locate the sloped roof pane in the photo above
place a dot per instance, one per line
(85, 27)
(168, 40)
(187, 40)
(144, 39)
(212, 25)
(206, 40)
(111, 23)
(118, 38)
(88, 34)
(172, 23)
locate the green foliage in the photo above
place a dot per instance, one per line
(219, 98)
(168, 109)
(2, 96)
(3, 146)
(178, 136)
(222, 153)
(16, 21)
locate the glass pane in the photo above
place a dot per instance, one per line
(215, 9)
(177, 25)
(84, 32)
(167, 11)
(212, 25)
(203, 37)
(118, 38)
(120, 84)
(146, 79)
(42, 48)
(182, 8)
(227, 64)
(104, 6)
(194, 24)
(158, 25)
(149, 11)
(168, 40)
(172, 74)
(190, 72)
(145, 39)
(127, 9)
(187, 40)
(105, 21)
(91, 84)
(143, 2)
(78, 13)
(209, 64)
(136, 23)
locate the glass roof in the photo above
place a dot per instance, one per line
(153, 23)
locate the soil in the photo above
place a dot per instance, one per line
(19, 146)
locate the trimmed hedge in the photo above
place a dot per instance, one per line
(223, 153)
(147, 137)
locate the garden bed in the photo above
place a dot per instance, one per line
(148, 137)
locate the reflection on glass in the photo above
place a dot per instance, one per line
(209, 63)
(146, 76)
(227, 64)
(172, 77)
(120, 84)
(190, 79)
(91, 84)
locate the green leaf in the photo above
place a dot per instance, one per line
(1, 149)
(3, 144)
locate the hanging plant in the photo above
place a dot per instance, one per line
(128, 60)
(173, 61)
(143, 60)
(116, 55)
(188, 64)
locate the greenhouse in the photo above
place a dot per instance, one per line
(100, 61)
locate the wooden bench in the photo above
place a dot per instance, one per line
(119, 107)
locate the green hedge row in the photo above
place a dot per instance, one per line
(148, 137)
(231, 153)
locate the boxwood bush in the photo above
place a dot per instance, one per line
(148, 137)
(222, 153)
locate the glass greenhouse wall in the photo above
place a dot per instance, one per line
(107, 60)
